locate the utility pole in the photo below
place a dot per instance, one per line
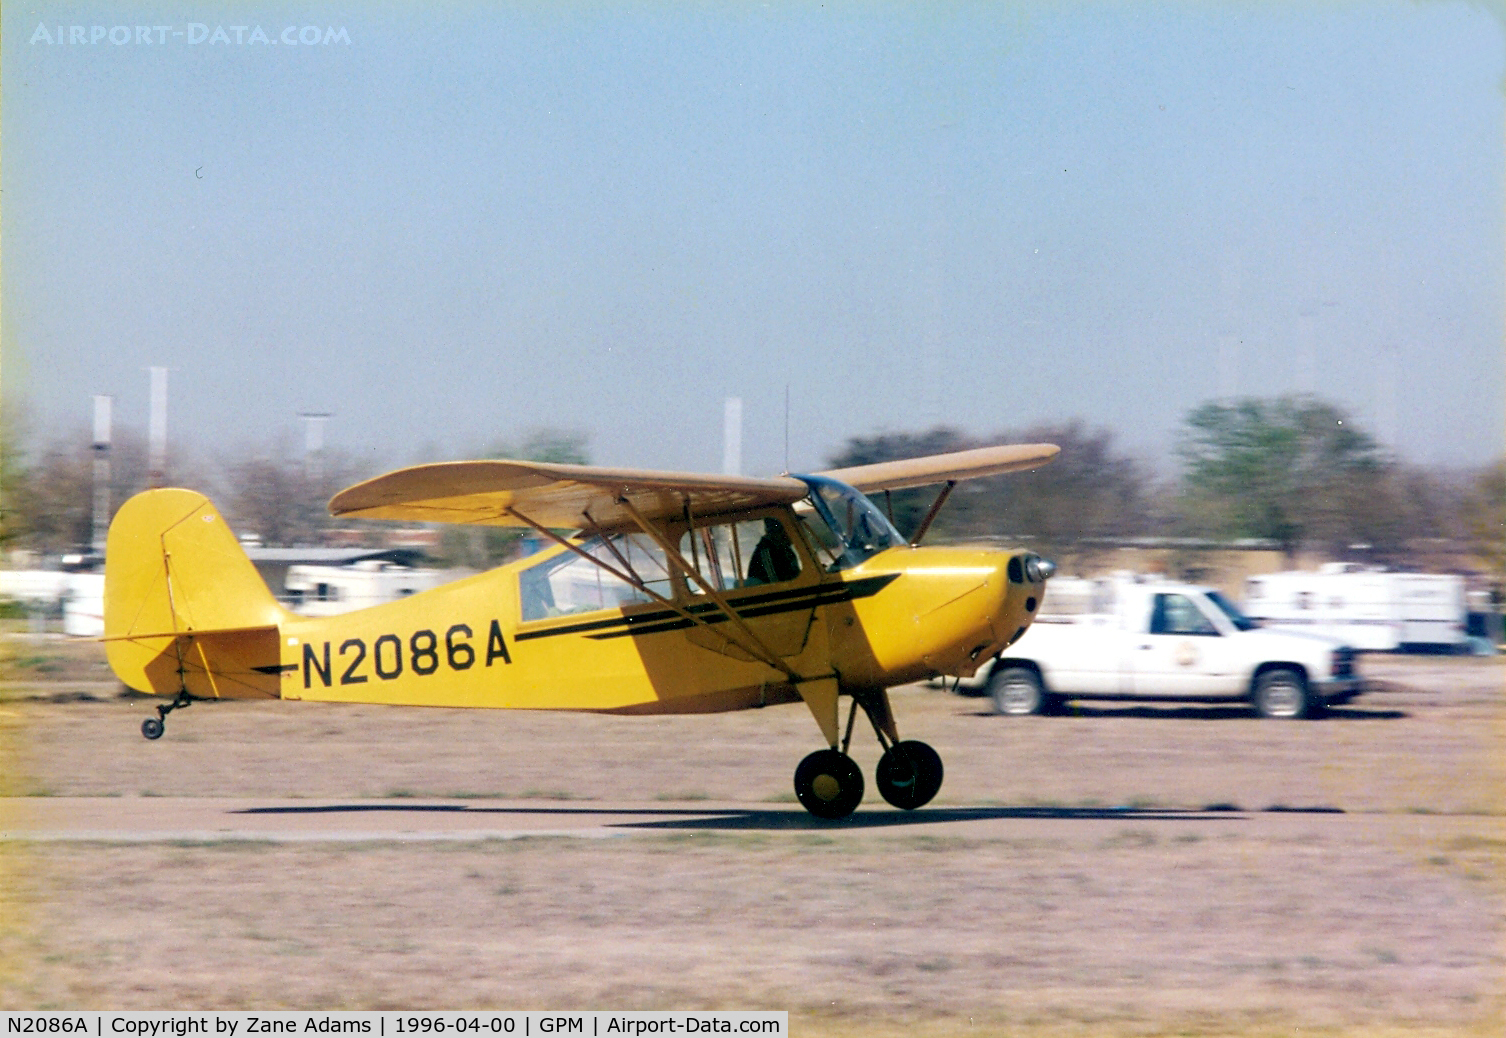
(102, 410)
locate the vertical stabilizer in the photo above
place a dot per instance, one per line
(184, 606)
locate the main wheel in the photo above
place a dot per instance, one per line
(829, 784)
(1282, 694)
(153, 728)
(909, 774)
(1016, 691)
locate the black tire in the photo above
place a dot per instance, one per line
(1017, 692)
(153, 728)
(909, 774)
(828, 784)
(1282, 694)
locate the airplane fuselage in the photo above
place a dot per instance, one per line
(902, 615)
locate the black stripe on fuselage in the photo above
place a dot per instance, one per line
(747, 607)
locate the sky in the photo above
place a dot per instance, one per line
(447, 225)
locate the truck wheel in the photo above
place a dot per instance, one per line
(1282, 694)
(1016, 691)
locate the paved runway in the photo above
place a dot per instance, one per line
(160, 819)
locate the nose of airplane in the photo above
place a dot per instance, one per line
(1020, 596)
(1029, 568)
(966, 603)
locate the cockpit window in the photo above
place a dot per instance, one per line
(854, 529)
(567, 583)
(740, 554)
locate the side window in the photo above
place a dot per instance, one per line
(567, 583)
(743, 554)
(1178, 614)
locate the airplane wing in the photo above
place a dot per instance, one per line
(560, 496)
(942, 468)
(553, 495)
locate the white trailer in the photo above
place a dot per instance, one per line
(327, 590)
(84, 606)
(80, 597)
(1371, 609)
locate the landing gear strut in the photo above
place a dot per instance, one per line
(909, 774)
(153, 727)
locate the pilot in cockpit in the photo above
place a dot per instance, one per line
(774, 559)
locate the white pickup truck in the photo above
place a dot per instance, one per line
(1122, 639)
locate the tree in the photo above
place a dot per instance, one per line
(905, 507)
(560, 446)
(1294, 469)
(1485, 518)
(481, 547)
(49, 497)
(12, 475)
(1089, 491)
(1071, 508)
(282, 498)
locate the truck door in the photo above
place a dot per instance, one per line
(1182, 653)
(1087, 657)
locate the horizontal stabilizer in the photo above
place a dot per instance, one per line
(213, 665)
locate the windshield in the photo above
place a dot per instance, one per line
(1238, 619)
(854, 531)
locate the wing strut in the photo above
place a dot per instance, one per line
(632, 579)
(607, 541)
(757, 650)
(673, 554)
(925, 524)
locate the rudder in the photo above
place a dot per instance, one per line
(184, 607)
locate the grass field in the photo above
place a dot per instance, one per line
(1386, 919)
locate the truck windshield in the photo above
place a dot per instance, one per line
(855, 529)
(1238, 619)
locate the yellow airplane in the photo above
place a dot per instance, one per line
(661, 593)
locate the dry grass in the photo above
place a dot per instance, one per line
(1358, 928)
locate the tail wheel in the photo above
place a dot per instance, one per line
(828, 784)
(909, 774)
(153, 727)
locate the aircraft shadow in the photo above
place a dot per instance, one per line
(754, 819)
(766, 819)
(1210, 713)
